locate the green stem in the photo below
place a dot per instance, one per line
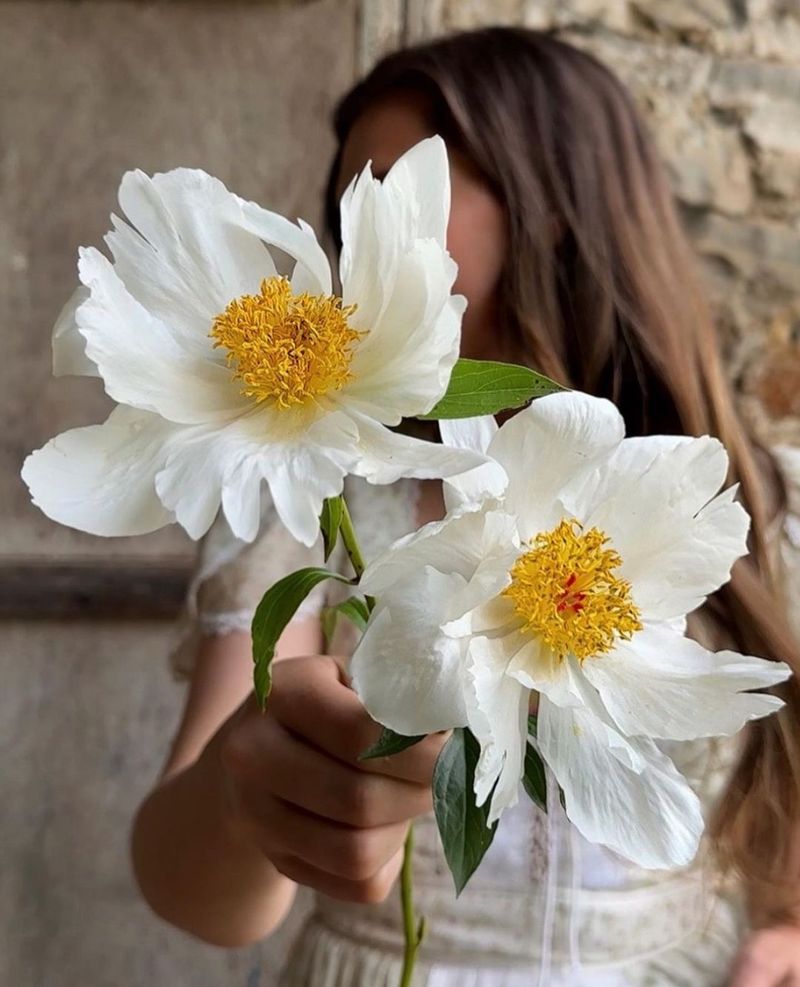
(350, 541)
(354, 549)
(413, 928)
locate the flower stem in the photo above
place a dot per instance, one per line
(413, 928)
(354, 549)
(350, 540)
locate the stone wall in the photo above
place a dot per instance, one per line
(719, 83)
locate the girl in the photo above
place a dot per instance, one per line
(573, 262)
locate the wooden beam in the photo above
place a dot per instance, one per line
(99, 590)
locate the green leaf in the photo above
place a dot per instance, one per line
(354, 608)
(533, 780)
(330, 520)
(462, 825)
(389, 743)
(484, 387)
(277, 607)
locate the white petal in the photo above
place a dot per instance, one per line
(490, 577)
(468, 433)
(676, 547)
(387, 456)
(560, 679)
(227, 466)
(552, 445)
(312, 272)
(379, 220)
(497, 707)
(625, 794)
(457, 545)
(677, 575)
(100, 478)
(419, 182)
(299, 482)
(682, 472)
(402, 365)
(371, 242)
(396, 269)
(476, 485)
(242, 499)
(141, 361)
(190, 253)
(69, 346)
(666, 686)
(408, 675)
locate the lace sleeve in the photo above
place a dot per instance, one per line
(229, 580)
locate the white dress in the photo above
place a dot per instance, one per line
(611, 924)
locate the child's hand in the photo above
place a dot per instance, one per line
(294, 786)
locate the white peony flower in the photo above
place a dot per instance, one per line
(567, 565)
(227, 374)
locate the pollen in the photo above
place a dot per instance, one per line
(565, 590)
(284, 347)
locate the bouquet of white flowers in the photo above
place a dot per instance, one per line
(567, 560)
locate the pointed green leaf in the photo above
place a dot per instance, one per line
(277, 607)
(330, 520)
(389, 743)
(462, 825)
(354, 608)
(484, 387)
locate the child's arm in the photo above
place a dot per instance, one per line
(246, 799)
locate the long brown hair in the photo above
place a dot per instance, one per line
(610, 304)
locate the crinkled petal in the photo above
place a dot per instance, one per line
(678, 574)
(458, 544)
(419, 184)
(680, 473)
(497, 707)
(536, 666)
(371, 242)
(381, 219)
(193, 247)
(142, 362)
(550, 447)
(312, 272)
(226, 466)
(402, 365)
(677, 544)
(662, 685)
(492, 574)
(409, 676)
(483, 482)
(100, 478)
(69, 346)
(187, 252)
(623, 793)
(387, 456)
(396, 269)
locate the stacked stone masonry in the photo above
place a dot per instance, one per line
(719, 83)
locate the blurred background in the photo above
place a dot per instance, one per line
(244, 90)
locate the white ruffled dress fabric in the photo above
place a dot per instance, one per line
(592, 920)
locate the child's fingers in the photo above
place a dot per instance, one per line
(341, 851)
(311, 698)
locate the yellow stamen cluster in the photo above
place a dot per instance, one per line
(565, 590)
(285, 347)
